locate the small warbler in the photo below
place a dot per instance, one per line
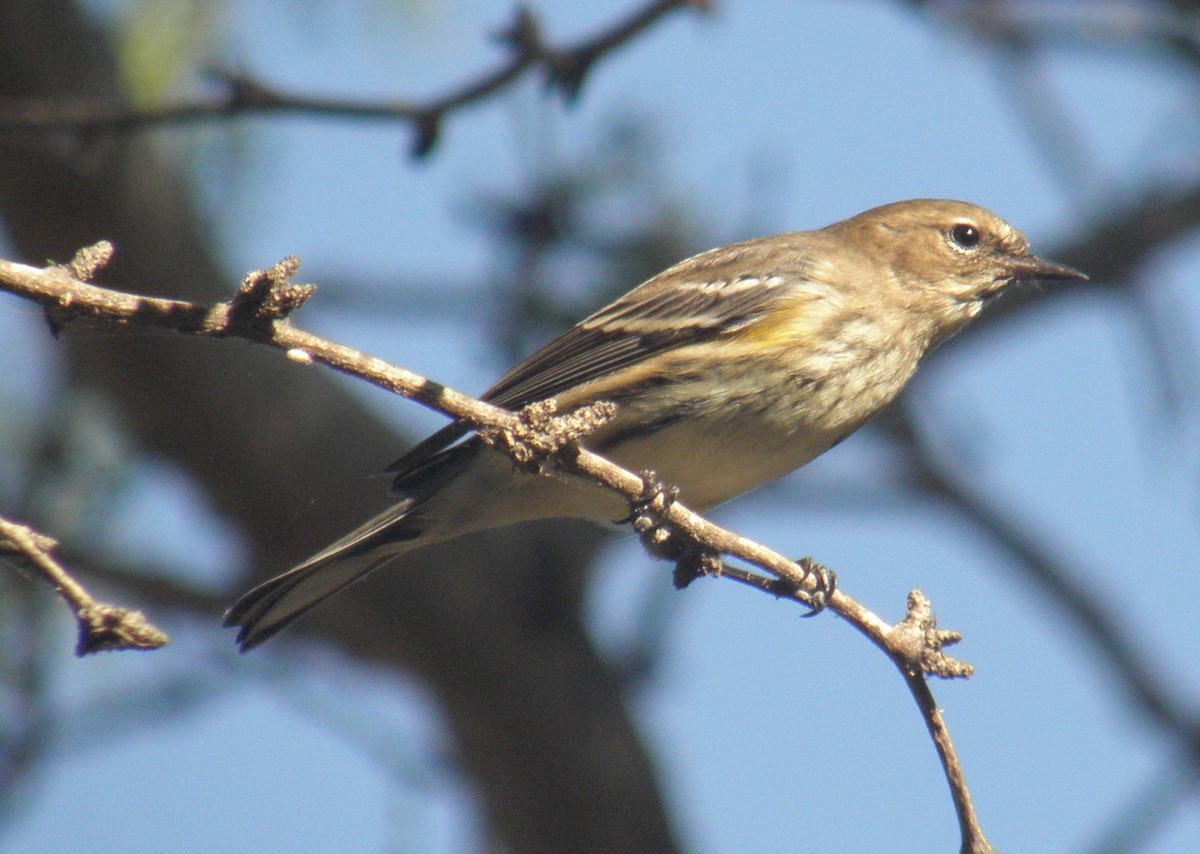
(728, 370)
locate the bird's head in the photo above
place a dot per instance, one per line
(946, 259)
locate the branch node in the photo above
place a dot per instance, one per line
(918, 642)
(90, 260)
(107, 628)
(9, 543)
(566, 71)
(427, 129)
(244, 91)
(101, 626)
(523, 35)
(538, 432)
(266, 296)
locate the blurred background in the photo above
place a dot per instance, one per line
(544, 688)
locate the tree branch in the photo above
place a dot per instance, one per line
(564, 68)
(537, 438)
(102, 627)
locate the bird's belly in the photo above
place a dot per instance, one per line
(712, 463)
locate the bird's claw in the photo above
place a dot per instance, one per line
(826, 584)
(647, 514)
(662, 539)
(647, 510)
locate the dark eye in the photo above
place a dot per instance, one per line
(965, 236)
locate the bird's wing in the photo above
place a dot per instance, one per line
(702, 298)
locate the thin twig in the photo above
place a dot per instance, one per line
(102, 627)
(1087, 610)
(924, 641)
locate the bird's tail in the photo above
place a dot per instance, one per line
(469, 487)
(275, 604)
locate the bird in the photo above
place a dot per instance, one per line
(727, 370)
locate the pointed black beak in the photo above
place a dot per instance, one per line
(1031, 267)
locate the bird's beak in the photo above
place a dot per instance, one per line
(1031, 267)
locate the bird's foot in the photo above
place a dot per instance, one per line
(826, 584)
(663, 540)
(647, 513)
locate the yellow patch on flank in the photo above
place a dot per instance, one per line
(791, 323)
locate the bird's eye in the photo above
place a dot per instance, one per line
(965, 236)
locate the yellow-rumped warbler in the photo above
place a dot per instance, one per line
(728, 370)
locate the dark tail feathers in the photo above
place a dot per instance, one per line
(275, 604)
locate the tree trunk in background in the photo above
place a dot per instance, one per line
(540, 720)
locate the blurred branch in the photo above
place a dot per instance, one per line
(152, 584)
(1113, 248)
(26, 687)
(917, 638)
(1044, 118)
(1139, 29)
(564, 69)
(536, 439)
(1055, 578)
(1131, 826)
(102, 627)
